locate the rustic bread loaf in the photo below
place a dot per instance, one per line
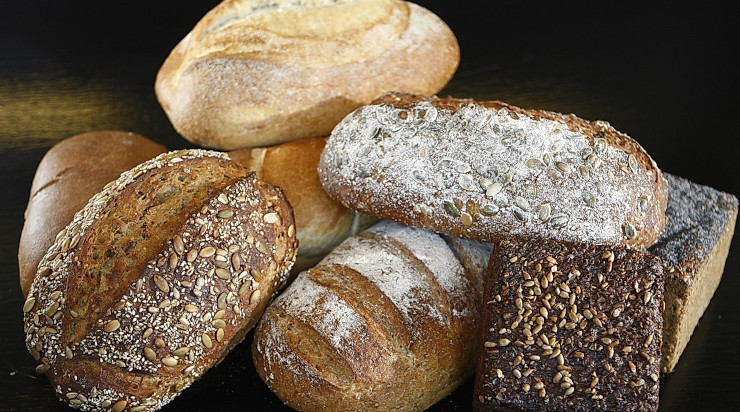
(69, 174)
(693, 247)
(570, 327)
(477, 169)
(321, 223)
(257, 72)
(386, 321)
(156, 278)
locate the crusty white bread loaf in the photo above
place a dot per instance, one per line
(386, 321)
(321, 223)
(69, 174)
(155, 279)
(477, 169)
(694, 247)
(260, 72)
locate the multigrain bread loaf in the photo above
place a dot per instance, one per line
(476, 169)
(569, 327)
(387, 321)
(321, 223)
(693, 247)
(69, 174)
(260, 72)
(155, 279)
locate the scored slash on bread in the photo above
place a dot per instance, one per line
(156, 278)
(477, 169)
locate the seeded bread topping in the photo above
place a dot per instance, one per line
(191, 302)
(478, 169)
(570, 327)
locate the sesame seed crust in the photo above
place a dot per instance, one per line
(570, 326)
(178, 316)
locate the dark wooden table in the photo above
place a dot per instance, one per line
(662, 75)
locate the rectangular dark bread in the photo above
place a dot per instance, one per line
(387, 321)
(569, 327)
(156, 279)
(694, 248)
(477, 169)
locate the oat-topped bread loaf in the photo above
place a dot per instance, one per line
(321, 223)
(69, 174)
(693, 247)
(387, 321)
(477, 169)
(261, 72)
(569, 327)
(155, 279)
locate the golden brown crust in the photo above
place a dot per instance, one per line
(69, 174)
(227, 86)
(157, 278)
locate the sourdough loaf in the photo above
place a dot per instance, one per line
(477, 169)
(69, 174)
(693, 247)
(256, 72)
(386, 321)
(570, 327)
(155, 279)
(321, 223)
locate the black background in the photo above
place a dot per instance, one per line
(662, 74)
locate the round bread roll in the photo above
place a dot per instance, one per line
(156, 278)
(69, 174)
(321, 223)
(478, 169)
(257, 72)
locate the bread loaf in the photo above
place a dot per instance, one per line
(386, 321)
(155, 279)
(693, 247)
(477, 169)
(69, 174)
(321, 223)
(256, 72)
(570, 327)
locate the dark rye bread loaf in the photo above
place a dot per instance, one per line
(156, 278)
(68, 175)
(387, 321)
(570, 327)
(694, 248)
(477, 169)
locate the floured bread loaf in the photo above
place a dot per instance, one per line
(477, 169)
(386, 321)
(694, 247)
(321, 223)
(156, 279)
(260, 72)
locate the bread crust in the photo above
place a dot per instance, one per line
(68, 175)
(258, 73)
(478, 169)
(156, 279)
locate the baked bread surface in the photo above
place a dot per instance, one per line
(477, 169)
(256, 73)
(68, 175)
(386, 321)
(156, 278)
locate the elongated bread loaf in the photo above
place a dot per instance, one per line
(321, 223)
(69, 174)
(386, 321)
(156, 278)
(477, 169)
(260, 72)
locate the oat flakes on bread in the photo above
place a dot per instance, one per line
(477, 169)
(68, 175)
(256, 73)
(156, 279)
